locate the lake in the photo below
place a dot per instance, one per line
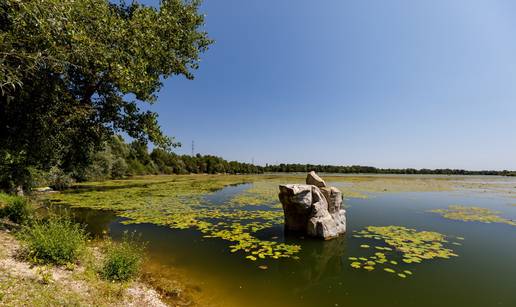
(320, 274)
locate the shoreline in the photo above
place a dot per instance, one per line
(22, 282)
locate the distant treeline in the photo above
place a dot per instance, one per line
(373, 170)
(120, 159)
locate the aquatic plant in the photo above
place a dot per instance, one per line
(260, 193)
(403, 244)
(473, 214)
(180, 202)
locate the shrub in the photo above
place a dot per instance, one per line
(58, 179)
(56, 240)
(119, 168)
(135, 167)
(5, 199)
(123, 259)
(18, 210)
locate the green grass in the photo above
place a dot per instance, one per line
(5, 198)
(17, 209)
(123, 259)
(20, 291)
(56, 240)
(78, 285)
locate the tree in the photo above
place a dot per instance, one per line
(74, 72)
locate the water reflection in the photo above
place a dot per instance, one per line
(326, 260)
(322, 276)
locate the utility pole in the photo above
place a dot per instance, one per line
(252, 160)
(193, 148)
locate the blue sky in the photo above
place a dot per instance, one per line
(381, 83)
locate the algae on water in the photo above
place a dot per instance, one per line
(473, 214)
(405, 245)
(179, 202)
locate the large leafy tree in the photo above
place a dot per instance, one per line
(74, 72)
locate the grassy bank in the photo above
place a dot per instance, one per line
(42, 255)
(25, 283)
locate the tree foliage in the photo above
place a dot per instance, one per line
(359, 169)
(74, 72)
(119, 159)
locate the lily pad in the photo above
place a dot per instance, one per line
(389, 270)
(405, 245)
(473, 214)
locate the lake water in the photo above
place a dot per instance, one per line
(484, 273)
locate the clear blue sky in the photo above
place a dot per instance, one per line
(381, 83)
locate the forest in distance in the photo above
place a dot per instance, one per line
(120, 159)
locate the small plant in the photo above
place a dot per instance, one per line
(123, 259)
(70, 266)
(18, 210)
(56, 240)
(45, 275)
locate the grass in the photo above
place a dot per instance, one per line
(5, 198)
(23, 291)
(56, 240)
(17, 209)
(123, 259)
(26, 284)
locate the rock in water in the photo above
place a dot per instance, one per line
(313, 210)
(333, 197)
(296, 200)
(313, 179)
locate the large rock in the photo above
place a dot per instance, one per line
(333, 197)
(296, 200)
(314, 211)
(313, 179)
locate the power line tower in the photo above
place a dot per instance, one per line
(193, 148)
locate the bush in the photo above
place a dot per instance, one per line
(58, 179)
(135, 167)
(56, 240)
(119, 168)
(18, 210)
(123, 259)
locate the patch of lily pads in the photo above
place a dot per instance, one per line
(181, 204)
(473, 214)
(392, 248)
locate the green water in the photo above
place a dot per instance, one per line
(483, 275)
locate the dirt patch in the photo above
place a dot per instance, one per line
(22, 283)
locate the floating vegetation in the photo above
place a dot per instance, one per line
(179, 202)
(403, 244)
(389, 270)
(356, 265)
(260, 193)
(473, 214)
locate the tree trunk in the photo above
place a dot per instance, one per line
(19, 190)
